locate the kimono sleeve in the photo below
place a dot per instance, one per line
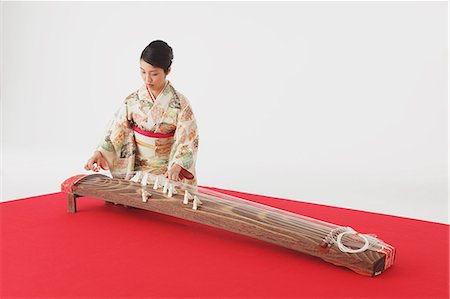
(185, 147)
(118, 146)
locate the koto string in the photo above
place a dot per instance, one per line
(341, 245)
(307, 227)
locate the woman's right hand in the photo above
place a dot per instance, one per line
(95, 162)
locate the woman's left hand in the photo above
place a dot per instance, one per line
(174, 173)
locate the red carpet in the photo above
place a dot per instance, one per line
(109, 251)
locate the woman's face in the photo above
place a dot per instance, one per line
(154, 77)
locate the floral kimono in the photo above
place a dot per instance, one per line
(149, 136)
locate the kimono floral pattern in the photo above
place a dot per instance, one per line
(125, 150)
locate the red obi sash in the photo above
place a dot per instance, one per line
(152, 134)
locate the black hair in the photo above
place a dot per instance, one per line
(159, 54)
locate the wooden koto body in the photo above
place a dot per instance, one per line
(342, 246)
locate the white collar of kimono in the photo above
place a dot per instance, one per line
(160, 93)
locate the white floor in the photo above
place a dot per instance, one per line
(354, 116)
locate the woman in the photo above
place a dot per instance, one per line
(154, 129)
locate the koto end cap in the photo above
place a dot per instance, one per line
(67, 185)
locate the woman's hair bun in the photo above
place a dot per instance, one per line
(159, 54)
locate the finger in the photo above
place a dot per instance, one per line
(103, 164)
(90, 164)
(176, 177)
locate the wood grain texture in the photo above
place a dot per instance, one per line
(72, 203)
(240, 216)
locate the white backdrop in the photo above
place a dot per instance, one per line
(339, 103)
